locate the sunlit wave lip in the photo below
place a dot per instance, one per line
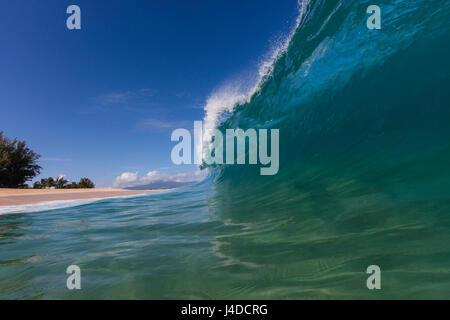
(61, 204)
(229, 95)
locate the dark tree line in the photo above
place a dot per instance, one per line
(18, 164)
(61, 183)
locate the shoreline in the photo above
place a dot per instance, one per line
(20, 197)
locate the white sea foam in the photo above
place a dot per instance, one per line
(44, 206)
(228, 96)
(61, 204)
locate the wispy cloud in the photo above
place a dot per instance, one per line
(113, 98)
(133, 100)
(147, 92)
(125, 96)
(55, 159)
(153, 123)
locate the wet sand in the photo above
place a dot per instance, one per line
(17, 197)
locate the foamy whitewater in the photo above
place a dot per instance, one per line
(364, 178)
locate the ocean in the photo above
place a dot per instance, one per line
(364, 179)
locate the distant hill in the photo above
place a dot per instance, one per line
(160, 184)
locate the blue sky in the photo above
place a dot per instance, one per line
(103, 100)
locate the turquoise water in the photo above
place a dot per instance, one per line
(364, 179)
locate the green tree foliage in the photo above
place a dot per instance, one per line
(17, 163)
(86, 183)
(61, 183)
(37, 185)
(72, 185)
(48, 183)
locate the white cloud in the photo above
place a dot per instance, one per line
(130, 179)
(126, 179)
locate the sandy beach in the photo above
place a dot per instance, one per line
(15, 197)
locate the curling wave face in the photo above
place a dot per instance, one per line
(363, 180)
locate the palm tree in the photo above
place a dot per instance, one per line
(60, 182)
(48, 183)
